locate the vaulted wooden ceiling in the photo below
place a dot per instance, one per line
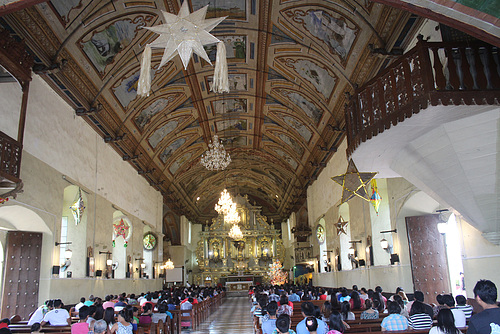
(291, 64)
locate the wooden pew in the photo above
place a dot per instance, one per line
(45, 329)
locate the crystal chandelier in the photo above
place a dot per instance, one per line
(216, 157)
(224, 205)
(232, 217)
(235, 232)
(169, 265)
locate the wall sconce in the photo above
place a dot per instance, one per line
(109, 262)
(442, 227)
(384, 243)
(68, 253)
(352, 250)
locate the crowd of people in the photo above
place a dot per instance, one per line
(273, 306)
(120, 314)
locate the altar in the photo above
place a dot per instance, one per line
(238, 263)
(242, 286)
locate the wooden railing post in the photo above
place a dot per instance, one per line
(413, 81)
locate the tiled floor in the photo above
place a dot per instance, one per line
(232, 317)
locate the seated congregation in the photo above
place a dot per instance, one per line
(304, 310)
(166, 311)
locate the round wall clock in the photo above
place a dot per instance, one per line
(149, 241)
(320, 234)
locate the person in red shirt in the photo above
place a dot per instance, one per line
(81, 327)
(322, 296)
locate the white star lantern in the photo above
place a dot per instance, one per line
(183, 34)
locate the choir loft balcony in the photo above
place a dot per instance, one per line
(433, 117)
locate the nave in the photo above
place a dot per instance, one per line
(233, 316)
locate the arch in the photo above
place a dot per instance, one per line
(17, 217)
(323, 255)
(148, 255)
(345, 238)
(71, 232)
(119, 255)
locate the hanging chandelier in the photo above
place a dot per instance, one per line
(232, 217)
(169, 265)
(216, 157)
(225, 202)
(235, 232)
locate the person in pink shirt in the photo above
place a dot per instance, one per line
(108, 303)
(81, 327)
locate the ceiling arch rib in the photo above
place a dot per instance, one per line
(289, 64)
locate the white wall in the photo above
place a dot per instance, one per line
(481, 259)
(57, 144)
(68, 144)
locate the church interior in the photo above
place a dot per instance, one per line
(354, 128)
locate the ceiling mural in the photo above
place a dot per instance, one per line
(290, 66)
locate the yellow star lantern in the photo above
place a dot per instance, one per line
(353, 183)
(182, 35)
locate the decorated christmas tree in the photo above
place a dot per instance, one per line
(276, 273)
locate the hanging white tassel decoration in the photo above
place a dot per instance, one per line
(144, 83)
(221, 81)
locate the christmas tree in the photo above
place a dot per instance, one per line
(276, 273)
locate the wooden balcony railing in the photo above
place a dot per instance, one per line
(10, 158)
(432, 73)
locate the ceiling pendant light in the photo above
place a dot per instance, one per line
(169, 265)
(216, 157)
(225, 202)
(232, 217)
(235, 232)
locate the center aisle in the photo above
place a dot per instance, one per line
(232, 317)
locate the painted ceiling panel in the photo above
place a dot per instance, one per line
(290, 64)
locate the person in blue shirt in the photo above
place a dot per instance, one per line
(294, 297)
(307, 309)
(268, 326)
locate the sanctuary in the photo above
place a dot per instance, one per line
(223, 259)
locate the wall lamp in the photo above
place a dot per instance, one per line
(68, 253)
(352, 249)
(384, 243)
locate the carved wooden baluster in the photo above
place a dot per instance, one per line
(471, 59)
(495, 54)
(407, 77)
(452, 78)
(369, 107)
(485, 59)
(380, 98)
(440, 81)
(457, 59)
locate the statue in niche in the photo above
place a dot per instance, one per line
(240, 247)
(216, 250)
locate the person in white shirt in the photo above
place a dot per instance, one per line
(41, 312)
(58, 316)
(459, 315)
(80, 304)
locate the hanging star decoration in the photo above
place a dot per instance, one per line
(375, 199)
(78, 207)
(340, 225)
(181, 35)
(353, 183)
(121, 229)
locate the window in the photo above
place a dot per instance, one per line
(63, 247)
